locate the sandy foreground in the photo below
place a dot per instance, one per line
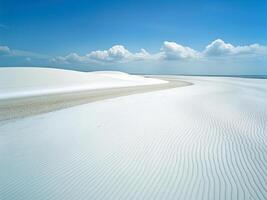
(204, 141)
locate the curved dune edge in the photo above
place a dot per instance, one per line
(33, 105)
(25, 82)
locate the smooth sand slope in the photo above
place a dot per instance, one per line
(32, 82)
(54, 89)
(204, 141)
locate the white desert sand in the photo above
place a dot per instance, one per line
(204, 141)
(31, 91)
(18, 82)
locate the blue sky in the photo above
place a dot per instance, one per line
(193, 37)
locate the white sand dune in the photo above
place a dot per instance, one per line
(26, 82)
(54, 89)
(205, 141)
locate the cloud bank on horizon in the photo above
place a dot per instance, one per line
(170, 51)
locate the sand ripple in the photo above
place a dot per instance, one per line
(205, 141)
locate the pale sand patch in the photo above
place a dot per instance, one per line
(22, 107)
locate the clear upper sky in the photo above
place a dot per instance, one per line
(175, 35)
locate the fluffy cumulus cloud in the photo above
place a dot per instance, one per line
(117, 53)
(220, 48)
(168, 51)
(174, 51)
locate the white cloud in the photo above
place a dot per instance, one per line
(169, 51)
(119, 54)
(99, 55)
(174, 51)
(116, 54)
(220, 48)
(143, 55)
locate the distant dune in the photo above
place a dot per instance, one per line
(204, 141)
(23, 82)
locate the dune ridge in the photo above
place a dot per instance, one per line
(21, 82)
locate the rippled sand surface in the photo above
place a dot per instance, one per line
(204, 141)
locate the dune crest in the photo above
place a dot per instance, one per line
(29, 81)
